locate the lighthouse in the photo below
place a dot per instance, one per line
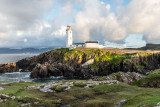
(69, 36)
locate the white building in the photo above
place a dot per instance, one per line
(87, 44)
(92, 44)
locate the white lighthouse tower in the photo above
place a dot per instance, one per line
(69, 36)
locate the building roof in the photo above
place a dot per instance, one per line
(78, 43)
(91, 42)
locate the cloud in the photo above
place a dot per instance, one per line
(25, 40)
(97, 22)
(43, 22)
(142, 17)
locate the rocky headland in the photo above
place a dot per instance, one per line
(86, 63)
(95, 78)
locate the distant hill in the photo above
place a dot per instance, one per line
(151, 47)
(23, 50)
(148, 46)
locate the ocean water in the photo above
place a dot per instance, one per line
(25, 76)
(5, 58)
(21, 76)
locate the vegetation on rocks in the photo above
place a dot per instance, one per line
(58, 88)
(79, 84)
(68, 63)
(151, 80)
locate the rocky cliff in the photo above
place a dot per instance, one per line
(68, 63)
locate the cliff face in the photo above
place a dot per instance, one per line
(68, 63)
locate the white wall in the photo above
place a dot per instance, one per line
(69, 38)
(92, 45)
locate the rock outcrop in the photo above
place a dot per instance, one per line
(68, 63)
(10, 67)
(128, 77)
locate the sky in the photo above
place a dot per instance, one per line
(114, 23)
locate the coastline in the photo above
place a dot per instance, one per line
(125, 87)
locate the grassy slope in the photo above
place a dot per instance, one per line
(103, 95)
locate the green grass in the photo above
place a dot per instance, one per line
(79, 84)
(151, 80)
(102, 95)
(59, 89)
(16, 88)
(101, 78)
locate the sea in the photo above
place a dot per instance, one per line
(21, 76)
